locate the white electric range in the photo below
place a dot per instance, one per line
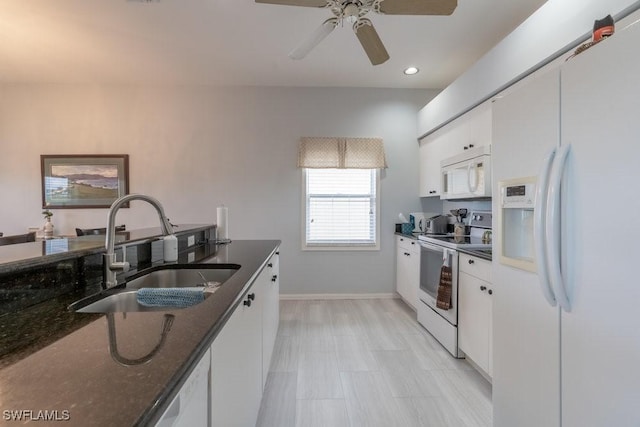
(435, 251)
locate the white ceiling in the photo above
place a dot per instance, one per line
(238, 42)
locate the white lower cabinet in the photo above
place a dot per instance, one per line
(190, 407)
(475, 308)
(227, 384)
(407, 269)
(236, 366)
(241, 353)
(270, 312)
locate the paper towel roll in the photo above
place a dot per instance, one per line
(223, 230)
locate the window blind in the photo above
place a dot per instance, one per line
(341, 207)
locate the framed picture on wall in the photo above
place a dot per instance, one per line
(83, 181)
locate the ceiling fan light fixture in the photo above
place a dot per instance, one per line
(410, 71)
(354, 12)
(351, 13)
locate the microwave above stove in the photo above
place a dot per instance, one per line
(467, 175)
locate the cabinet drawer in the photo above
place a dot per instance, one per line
(406, 243)
(476, 267)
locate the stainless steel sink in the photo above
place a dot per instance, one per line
(124, 301)
(125, 298)
(182, 275)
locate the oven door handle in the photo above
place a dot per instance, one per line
(431, 246)
(446, 258)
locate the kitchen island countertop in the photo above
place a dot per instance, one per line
(76, 379)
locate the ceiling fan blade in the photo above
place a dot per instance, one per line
(418, 7)
(314, 39)
(305, 3)
(370, 41)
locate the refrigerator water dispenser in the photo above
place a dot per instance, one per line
(517, 201)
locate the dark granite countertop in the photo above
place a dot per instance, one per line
(76, 372)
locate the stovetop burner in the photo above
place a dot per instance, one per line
(451, 241)
(480, 223)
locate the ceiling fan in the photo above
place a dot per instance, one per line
(354, 12)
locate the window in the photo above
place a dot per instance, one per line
(341, 209)
(341, 186)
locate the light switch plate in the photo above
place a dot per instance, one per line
(191, 240)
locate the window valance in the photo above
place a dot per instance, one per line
(341, 153)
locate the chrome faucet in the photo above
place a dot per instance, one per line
(110, 267)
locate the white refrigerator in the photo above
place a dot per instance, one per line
(572, 359)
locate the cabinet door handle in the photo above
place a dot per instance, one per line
(471, 261)
(274, 277)
(490, 292)
(278, 253)
(251, 296)
(483, 288)
(407, 254)
(270, 265)
(247, 302)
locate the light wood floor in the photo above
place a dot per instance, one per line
(366, 363)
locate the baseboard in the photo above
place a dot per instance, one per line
(479, 369)
(338, 296)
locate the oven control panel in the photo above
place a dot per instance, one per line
(480, 219)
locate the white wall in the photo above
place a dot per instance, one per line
(195, 148)
(556, 26)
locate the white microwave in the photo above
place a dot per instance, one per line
(467, 175)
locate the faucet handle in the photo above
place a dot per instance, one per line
(120, 266)
(109, 268)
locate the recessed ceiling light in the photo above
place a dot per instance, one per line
(411, 71)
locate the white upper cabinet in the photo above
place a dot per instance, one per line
(470, 130)
(432, 151)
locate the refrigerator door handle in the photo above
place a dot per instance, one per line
(539, 215)
(553, 229)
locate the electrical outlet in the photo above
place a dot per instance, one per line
(191, 257)
(191, 240)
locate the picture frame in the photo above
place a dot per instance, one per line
(81, 181)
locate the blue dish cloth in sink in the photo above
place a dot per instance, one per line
(170, 297)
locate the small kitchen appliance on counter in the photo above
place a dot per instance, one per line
(436, 224)
(419, 220)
